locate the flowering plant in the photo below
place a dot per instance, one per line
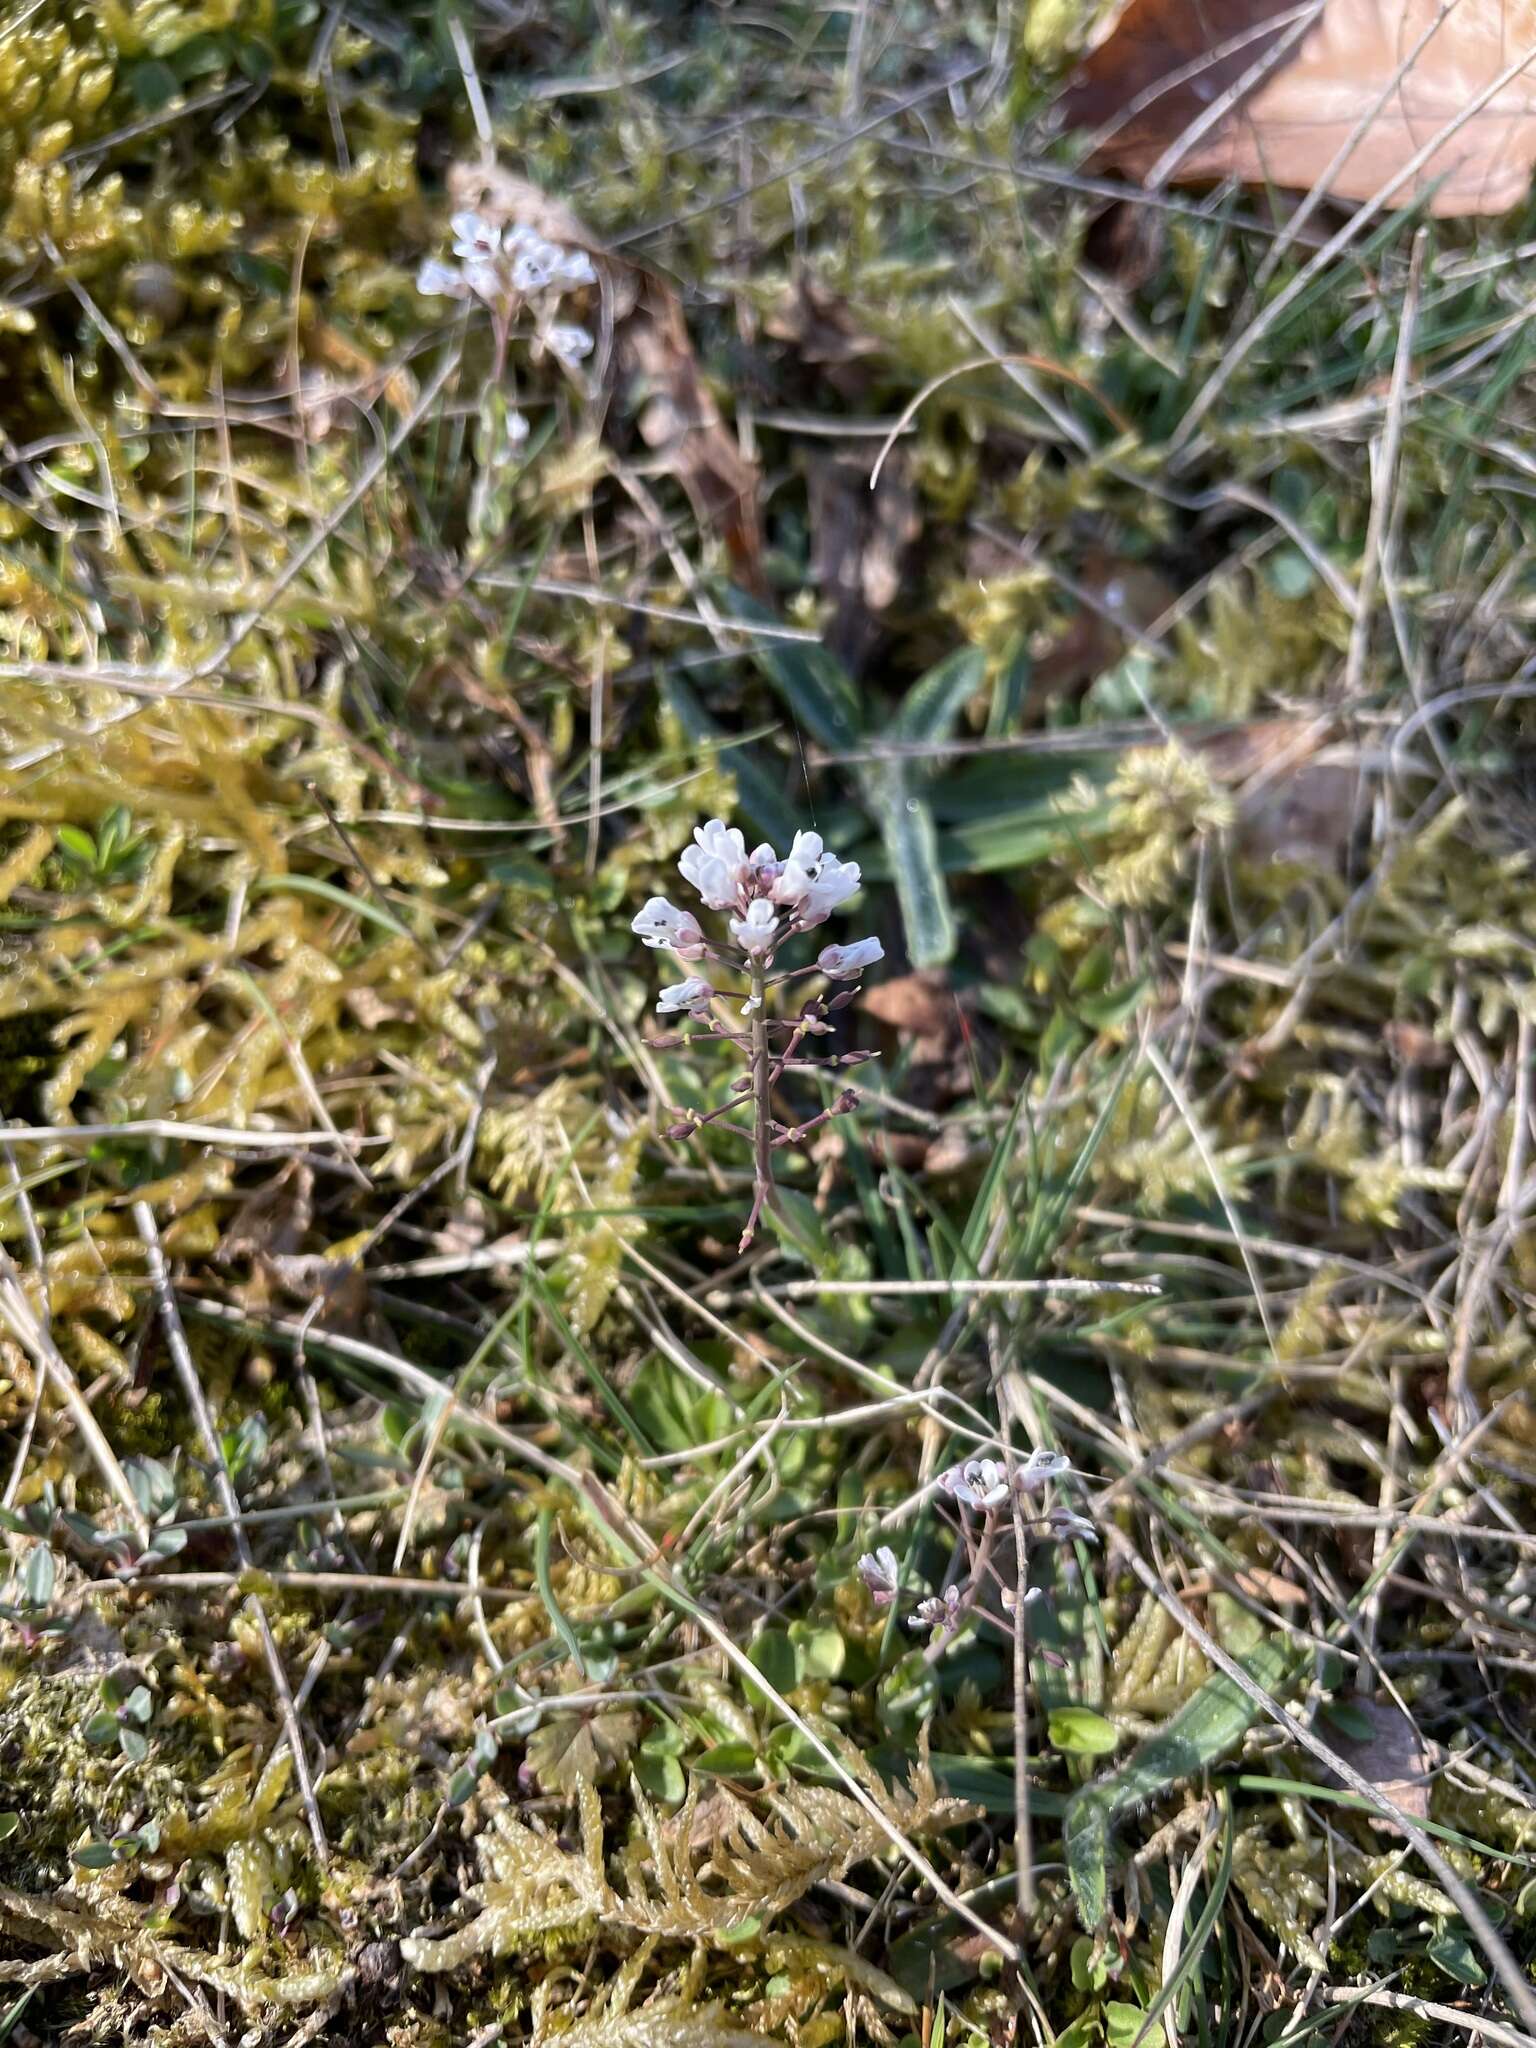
(766, 902)
(513, 271)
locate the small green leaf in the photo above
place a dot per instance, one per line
(95, 1856)
(912, 848)
(132, 1742)
(660, 1775)
(140, 1705)
(1079, 1731)
(462, 1784)
(37, 1585)
(810, 679)
(9, 1825)
(1350, 1720)
(932, 705)
(728, 1760)
(1122, 2022)
(775, 1656)
(1452, 1953)
(822, 1651)
(152, 84)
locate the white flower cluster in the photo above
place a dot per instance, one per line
(982, 1483)
(767, 900)
(506, 267)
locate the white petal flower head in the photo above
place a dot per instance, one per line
(570, 344)
(980, 1483)
(835, 881)
(475, 238)
(942, 1611)
(573, 270)
(661, 924)
(754, 933)
(1038, 1469)
(716, 864)
(793, 882)
(533, 269)
(517, 429)
(1064, 1523)
(881, 1573)
(692, 995)
(841, 963)
(436, 280)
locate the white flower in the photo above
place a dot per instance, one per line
(517, 429)
(799, 870)
(660, 924)
(570, 344)
(532, 269)
(941, 1612)
(754, 932)
(834, 882)
(1064, 1523)
(842, 962)
(979, 1483)
(1038, 1469)
(475, 239)
(692, 994)
(436, 280)
(574, 269)
(881, 1573)
(752, 1003)
(716, 863)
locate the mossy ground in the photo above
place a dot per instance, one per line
(342, 738)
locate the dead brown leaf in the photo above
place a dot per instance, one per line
(1294, 803)
(643, 340)
(1160, 67)
(1392, 1757)
(860, 542)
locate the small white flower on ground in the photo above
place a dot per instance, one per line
(436, 280)
(1063, 1522)
(881, 1573)
(517, 429)
(980, 1483)
(692, 994)
(715, 864)
(662, 924)
(1038, 1469)
(942, 1611)
(835, 881)
(475, 239)
(799, 870)
(842, 962)
(570, 344)
(574, 270)
(754, 932)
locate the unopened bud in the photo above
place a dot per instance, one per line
(849, 1099)
(842, 999)
(680, 1131)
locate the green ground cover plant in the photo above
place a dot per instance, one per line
(1067, 1577)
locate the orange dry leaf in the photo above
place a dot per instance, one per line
(1301, 80)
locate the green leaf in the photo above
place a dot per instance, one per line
(1122, 2022)
(133, 1743)
(461, 1785)
(912, 848)
(660, 1775)
(1451, 1952)
(932, 705)
(822, 1651)
(95, 1856)
(1350, 1720)
(9, 1825)
(775, 1656)
(1079, 1731)
(37, 1584)
(152, 83)
(140, 1705)
(728, 1760)
(810, 679)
